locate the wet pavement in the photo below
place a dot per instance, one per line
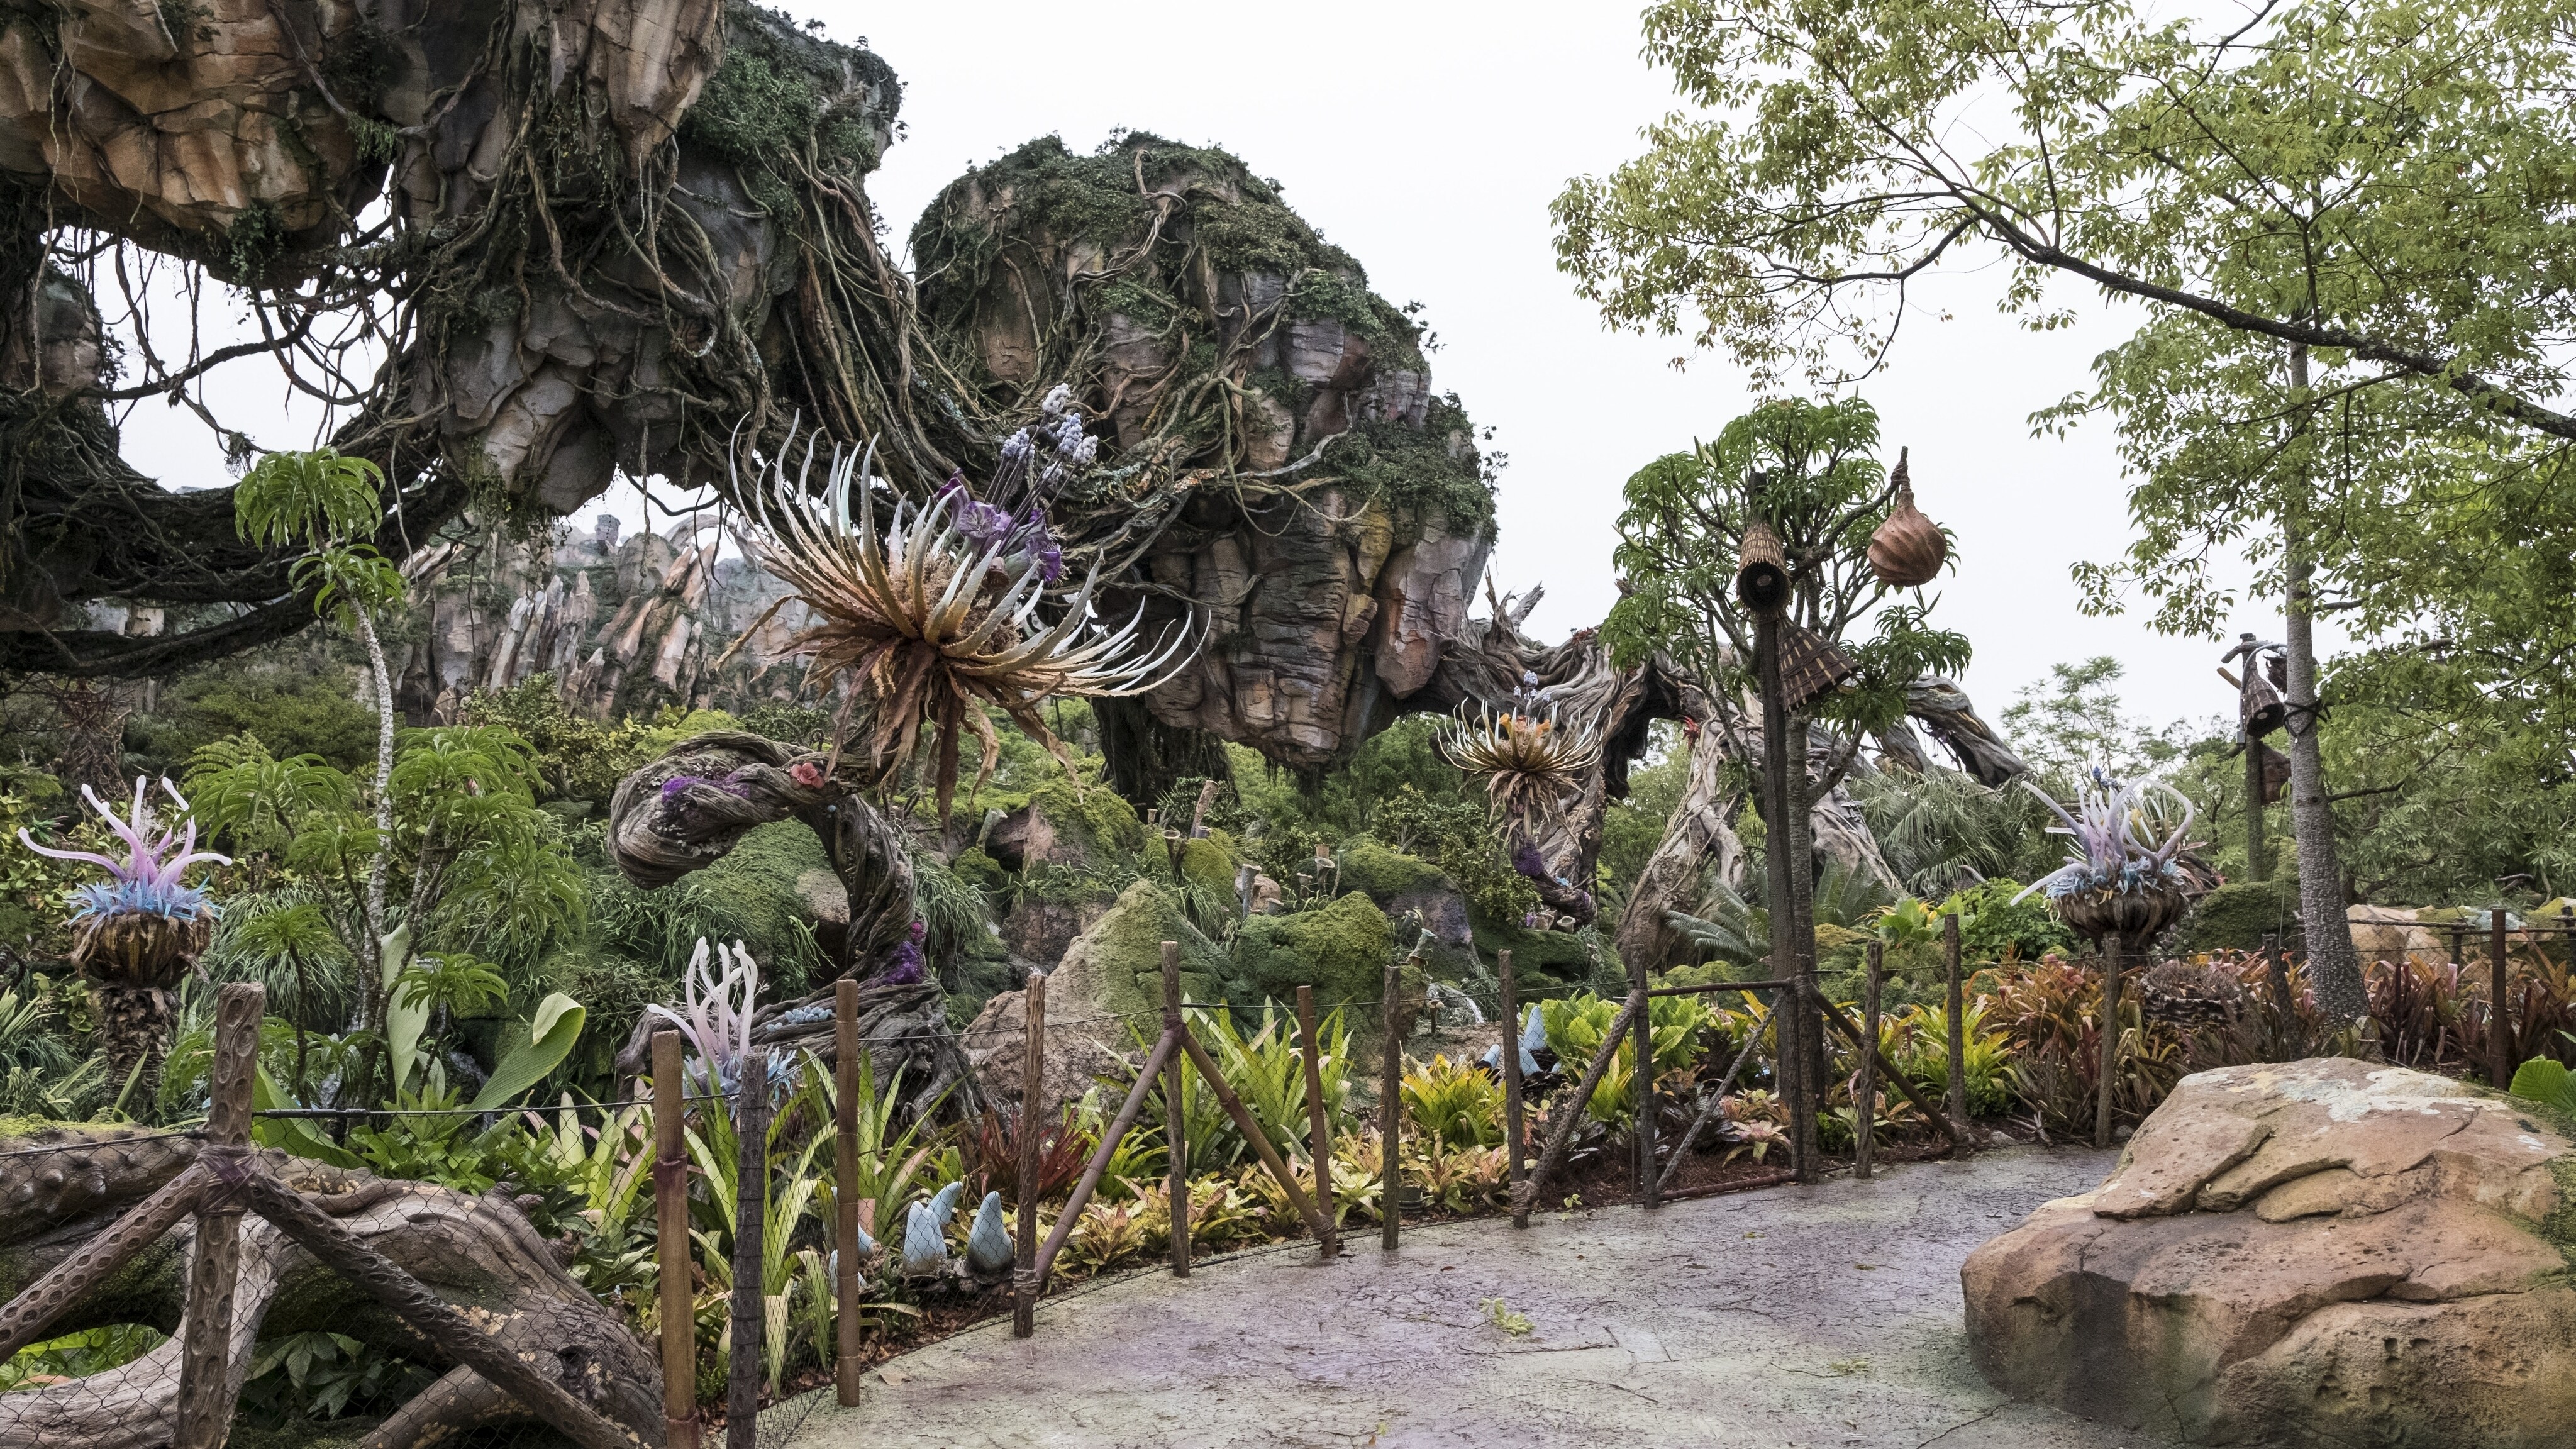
(1807, 1317)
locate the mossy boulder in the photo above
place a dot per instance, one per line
(1407, 885)
(1090, 831)
(1539, 957)
(775, 878)
(1340, 949)
(1209, 863)
(2237, 916)
(1116, 966)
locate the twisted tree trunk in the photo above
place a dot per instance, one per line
(478, 1252)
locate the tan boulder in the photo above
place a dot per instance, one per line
(2391, 933)
(2326, 1251)
(1077, 1054)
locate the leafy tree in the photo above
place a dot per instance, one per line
(2345, 217)
(322, 501)
(1806, 469)
(481, 871)
(2072, 722)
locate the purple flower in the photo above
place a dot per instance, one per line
(1526, 861)
(1533, 920)
(907, 965)
(1018, 446)
(982, 523)
(729, 782)
(147, 881)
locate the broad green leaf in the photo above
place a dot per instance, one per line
(294, 1135)
(2546, 1082)
(532, 1055)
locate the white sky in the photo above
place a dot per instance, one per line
(1427, 139)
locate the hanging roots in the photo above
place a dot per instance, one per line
(937, 617)
(1528, 764)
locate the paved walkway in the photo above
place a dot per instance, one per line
(1825, 1316)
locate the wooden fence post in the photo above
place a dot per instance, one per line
(1513, 1130)
(1955, 1100)
(1033, 1113)
(1642, 1089)
(1176, 1133)
(671, 1248)
(1390, 1113)
(750, 1226)
(1865, 1096)
(1319, 1124)
(205, 1409)
(845, 1188)
(2499, 1011)
(2110, 1038)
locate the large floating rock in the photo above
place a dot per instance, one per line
(2321, 1252)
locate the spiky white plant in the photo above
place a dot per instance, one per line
(1528, 763)
(2122, 845)
(937, 615)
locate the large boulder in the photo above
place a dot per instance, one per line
(1407, 885)
(2321, 1252)
(1115, 968)
(776, 880)
(1340, 949)
(1082, 1050)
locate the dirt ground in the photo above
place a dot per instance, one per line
(1808, 1317)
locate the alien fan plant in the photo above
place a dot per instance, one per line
(2131, 873)
(952, 606)
(135, 934)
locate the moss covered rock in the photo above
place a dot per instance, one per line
(2236, 916)
(775, 879)
(1116, 966)
(1559, 955)
(1340, 949)
(1411, 890)
(1209, 863)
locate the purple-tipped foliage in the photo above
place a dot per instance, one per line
(2118, 849)
(147, 881)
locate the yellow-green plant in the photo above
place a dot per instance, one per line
(1925, 1054)
(1454, 1104)
(1268, 1070)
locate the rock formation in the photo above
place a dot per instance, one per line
(2320, 1252)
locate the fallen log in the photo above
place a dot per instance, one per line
(478, 1253)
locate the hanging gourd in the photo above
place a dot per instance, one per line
(1907, 550)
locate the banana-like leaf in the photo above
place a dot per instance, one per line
(403, 1024)
(294, 1135)
(532, 1056)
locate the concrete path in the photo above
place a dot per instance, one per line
(1815, 1317)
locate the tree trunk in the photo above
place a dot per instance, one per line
(135, 1027)
(1801, 942)
(2334, 967)
(1700, 834)
(478, 1252)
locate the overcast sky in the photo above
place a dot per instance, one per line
(1427, 140)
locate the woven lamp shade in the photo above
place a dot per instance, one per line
(1762, 570)
(1811, 665)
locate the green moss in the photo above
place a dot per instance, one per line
(1386, 874)
(1561, 955)
(1118, 963)
(1206, 863)
(979, 870)
(780, 95)
(1096, 817)
(1436, 466)
(2236, 916)
(754, 892)
(1340, 949)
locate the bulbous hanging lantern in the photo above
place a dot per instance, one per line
(1907, 550)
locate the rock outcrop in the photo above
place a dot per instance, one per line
(2319, 1252)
